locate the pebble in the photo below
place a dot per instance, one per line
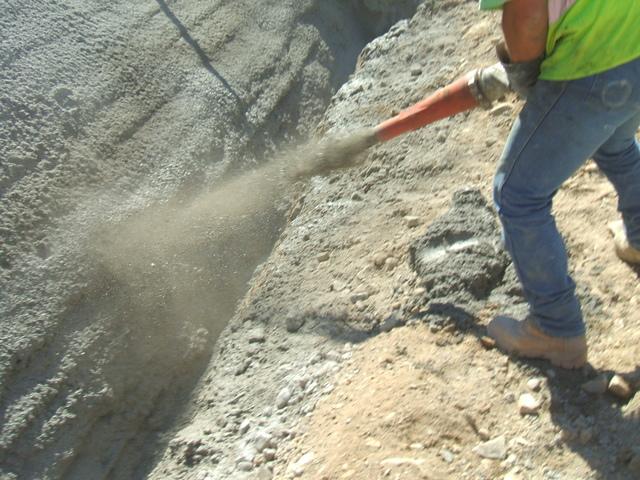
(528, 404)
(632, 409)
(298, 468)
(323, 257)
(416, 446)
(634, 464)
(597, 386)
(269, 454)
(416, 70)
(245, 466)
(534, 384)
(379, 259)
(447, 456)
(619, 387)
(244, 427)
(373, 443)
(391, 263)
(264, 473)
(294, 323)
(495, 449)
(256, 335)
(359, 296)
(411, 221)
(262, 441)
(488, 342)
(283, 397)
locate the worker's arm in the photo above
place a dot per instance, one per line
(525, 24)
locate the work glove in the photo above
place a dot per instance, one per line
(522, 75)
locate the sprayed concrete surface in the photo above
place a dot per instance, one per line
(124, 246)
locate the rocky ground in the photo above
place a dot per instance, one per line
(358, 350)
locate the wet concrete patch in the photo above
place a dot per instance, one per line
(459, 259)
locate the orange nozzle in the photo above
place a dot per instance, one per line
(455, 98)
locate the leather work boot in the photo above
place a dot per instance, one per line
(624, 251)
(525, 339)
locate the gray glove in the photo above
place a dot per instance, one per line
(522, 75)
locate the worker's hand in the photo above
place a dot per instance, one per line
(522, 75)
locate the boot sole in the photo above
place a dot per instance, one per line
(572, 363)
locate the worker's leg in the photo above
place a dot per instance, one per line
(619, 159)
(562, 124)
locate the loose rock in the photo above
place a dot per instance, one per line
(294, 323)
(534, 384)
(411, 221)
(283, 397)
(597, 386)
(619, 387)
(495, 449)
(257, 335)
(323, 257)
(528, 404)
(488, 342)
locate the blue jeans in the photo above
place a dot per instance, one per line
(560, 127)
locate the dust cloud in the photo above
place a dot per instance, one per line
(190, 259)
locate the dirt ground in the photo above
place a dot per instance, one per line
(356, 351)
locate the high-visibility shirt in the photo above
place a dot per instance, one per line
(587, 36)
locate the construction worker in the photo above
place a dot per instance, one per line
(577, 63)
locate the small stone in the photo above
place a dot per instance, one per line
(634, 464)
(298, 468)
(416, 446)
(411, 221)
(528, 404)
(534, 384)
(484, 434)
(373, 443)
(632, 409)
(244, 426)
(510, 397)
(356, 197)
(264, 473)
(619, 387)
(447, 456)
(269, 454)
(597, 386)
(379, 259)
(243, 367)
(294, 323)
(283, 398)
(256, 335)
(391, 263)
(262, 441)
(416, 70)
(323, 257)
(495, 449)
(245, 466)
(359, 296)
(488, 342)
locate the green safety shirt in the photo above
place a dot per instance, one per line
(587, 36)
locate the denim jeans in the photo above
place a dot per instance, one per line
(562, 125)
